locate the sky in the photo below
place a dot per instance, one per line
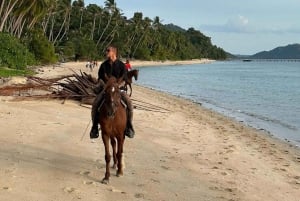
(238, 26)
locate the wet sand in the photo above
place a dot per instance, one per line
(181, 152)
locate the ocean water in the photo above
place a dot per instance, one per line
(264, 95)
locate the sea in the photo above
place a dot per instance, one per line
(261, 94)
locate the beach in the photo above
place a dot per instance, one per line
(181, 152)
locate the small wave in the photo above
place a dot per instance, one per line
(268, 119)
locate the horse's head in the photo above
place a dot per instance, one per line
(136, 74)
(112, 96)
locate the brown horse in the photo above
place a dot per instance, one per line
(113, 123)
(134, 73)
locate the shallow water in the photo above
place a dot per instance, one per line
(264, 95)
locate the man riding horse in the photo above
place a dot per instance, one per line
(116, 68)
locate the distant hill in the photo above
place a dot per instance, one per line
(286, 52)
(173, 27)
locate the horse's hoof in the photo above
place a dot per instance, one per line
(105, 181)
(119, 174)
(114, 166)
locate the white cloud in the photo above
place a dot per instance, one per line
(239, 24)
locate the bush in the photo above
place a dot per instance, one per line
(39, 45)
(85, 48)
(13, 54)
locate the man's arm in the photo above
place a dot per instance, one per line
(101, 73)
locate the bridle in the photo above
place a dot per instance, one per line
(112, 104)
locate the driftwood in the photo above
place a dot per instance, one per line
(77, 87)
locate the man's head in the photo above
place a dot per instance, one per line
(111, 52)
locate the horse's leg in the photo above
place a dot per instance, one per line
(105, 139)
(120, 156)
(114, 148)
(130, 89)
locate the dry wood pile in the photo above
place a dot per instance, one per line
(77, 87)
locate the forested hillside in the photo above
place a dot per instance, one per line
(286, 52)
(65, 29)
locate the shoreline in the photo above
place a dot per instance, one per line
(138, 63)
(268, 130)
(264, 131)
(186, 152)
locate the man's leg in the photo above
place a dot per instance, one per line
(129, 132)
(95, 116)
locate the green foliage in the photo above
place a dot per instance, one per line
(13, 54)
(40, 46)
(83, 47)
(92, 28)
(84, 31)
(8, 72)
(68, 51)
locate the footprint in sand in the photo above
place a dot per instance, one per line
(155, 181)
(69, 189)
(88, 182)
(112, 189)
(139, 195)
(224, 173)
(165, 167)
(6, 188)
(84, 172)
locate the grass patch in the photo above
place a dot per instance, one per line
(6, 72)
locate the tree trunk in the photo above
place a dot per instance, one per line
(111, 33)
(9, 9)
(80, 20)
(106, 27)
(99, 25)
(138, 44)
(93, 28)
(61, 28)
(66, 28)
(1, 7)
(51, 30)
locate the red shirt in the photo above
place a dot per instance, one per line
(128, 66)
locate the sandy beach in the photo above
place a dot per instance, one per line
(182, 152)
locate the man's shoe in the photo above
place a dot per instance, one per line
(94, 133)
(129, 132)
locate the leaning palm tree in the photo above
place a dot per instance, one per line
(6, 8)
(21, 14)
(109, 9)
(146, 24)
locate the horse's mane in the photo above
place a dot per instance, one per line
(111, 81)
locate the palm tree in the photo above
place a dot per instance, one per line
(6, 9)
(64, 6)
(21, 14)
(146, 23)
(109, 10)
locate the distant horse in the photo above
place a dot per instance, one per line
(134, 73)
(113, 120)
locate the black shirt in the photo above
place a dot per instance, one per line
(117, 69)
